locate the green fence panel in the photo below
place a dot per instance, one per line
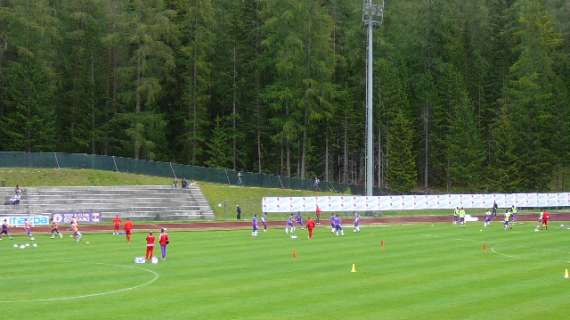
(164, 169)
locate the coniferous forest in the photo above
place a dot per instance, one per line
(468, 95)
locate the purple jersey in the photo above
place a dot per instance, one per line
(289, 222)
(254, 223)
(337, 221)
(298, 219)
(4, 227)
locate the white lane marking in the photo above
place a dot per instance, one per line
(97, 294)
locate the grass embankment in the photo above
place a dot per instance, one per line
(27, 177)
(424, 271)
(224, 198)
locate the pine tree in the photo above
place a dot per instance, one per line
(464, 150)
(195, 20)
(29, 81)
(219, 146)
(532, 97)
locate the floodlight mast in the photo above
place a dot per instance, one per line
(373, 15)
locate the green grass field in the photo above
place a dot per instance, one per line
(425, 271)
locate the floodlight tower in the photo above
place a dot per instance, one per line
(373, 15)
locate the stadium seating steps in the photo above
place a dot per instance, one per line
(138, 202)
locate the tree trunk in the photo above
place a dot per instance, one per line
(93, 95)
(345, 151)
(327, 156)
(139, 80)
(380, 160)
(304, 144)
(234, 114)
(287, 146)
(426, 145)
(194, 109)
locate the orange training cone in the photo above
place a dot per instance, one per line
(353, 268)
(566, 274)
(484, 247)
(294, 253)
(382, 244)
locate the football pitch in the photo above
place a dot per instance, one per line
(423, 271)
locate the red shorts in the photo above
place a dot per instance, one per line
(544, 221)
(128, 232)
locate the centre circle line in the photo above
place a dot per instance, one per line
(97, 294)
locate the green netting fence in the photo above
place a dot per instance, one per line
(165, 169)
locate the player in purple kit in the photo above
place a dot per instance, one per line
(332, 222)
(488, 217)
(264, 221)
(4, 231)
(338, 225)
(290, 227)
(254, 225)
(356, 222)
(299, 219)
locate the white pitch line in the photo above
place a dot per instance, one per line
(503, 254)
(97, 294)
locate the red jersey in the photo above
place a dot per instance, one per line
(545, 216)
(310, 224)
(318, 211)
(117, 221)
(150, 241)
(163, 239)
(128, 226)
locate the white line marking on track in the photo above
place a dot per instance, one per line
(97, 294)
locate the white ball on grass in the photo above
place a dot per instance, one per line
(22, 246)
(35, 245)
(15, 246)
(219, 205)
(32, 238)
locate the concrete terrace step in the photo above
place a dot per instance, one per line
(144, 201)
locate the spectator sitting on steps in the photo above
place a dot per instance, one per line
(18, 190)
(15, 200)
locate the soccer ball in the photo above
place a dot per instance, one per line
(34, 245)
(219, 205)
(27, 244)
(154, 260)
(15, 246)
(32, 238)
(22, 246)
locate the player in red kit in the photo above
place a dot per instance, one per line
(129, 229)
(149, 246)
(545, 217)
(310, 226)
(116, 225)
